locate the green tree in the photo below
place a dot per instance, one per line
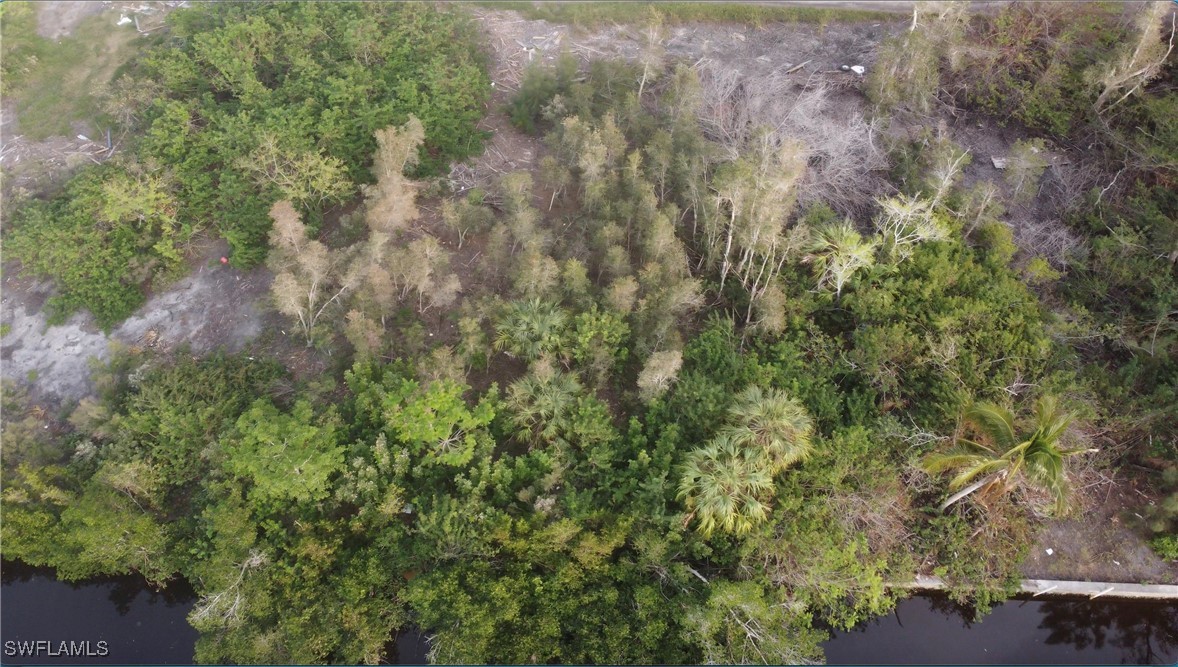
(541, 403)
(724, 487)
(770, 424)
(435, 421)
(286, 457)
(740, 625)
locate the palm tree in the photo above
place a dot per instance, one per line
(770, 423)
(541, 402)
(530, 329)
(724, 482)
(994, 462)
(722, 487)
(839, 252)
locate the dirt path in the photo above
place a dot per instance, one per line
(215, 306)
(58, 19)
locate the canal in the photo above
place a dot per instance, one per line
(140, 625)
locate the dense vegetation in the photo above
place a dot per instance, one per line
(671, 411)
(239, 107)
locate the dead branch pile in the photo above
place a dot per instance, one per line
(507, 151)
(1048, 238)
(516, 43)
(843, 154)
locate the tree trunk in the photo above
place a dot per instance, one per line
(965, 492)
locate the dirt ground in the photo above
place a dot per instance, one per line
(58, 19)
(1099, 542)
(32, 165)
(215, 306)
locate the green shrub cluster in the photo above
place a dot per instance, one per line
(114, 229)
(253, 103)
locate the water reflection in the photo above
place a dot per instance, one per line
(923, 630)
(123, 590)
(1147, 634)
(934, 629)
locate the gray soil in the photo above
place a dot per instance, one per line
(58, 19)
(1101, 541)
(214, 307)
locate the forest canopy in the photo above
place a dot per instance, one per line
(678, 394)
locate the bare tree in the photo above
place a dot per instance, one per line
(365, 335)
(839, 252)
(1025, 167)
(842, 159)
(982, 203)
(659, 372)
(310, 277)
(754, 197)
(391, 201)
(652, 50)
(621, 294)
(904, 222)
(947, 160)
(1139, 66)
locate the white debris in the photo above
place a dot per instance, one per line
(858, 69)
(82, 137)
(999, 162)
(124, 20)
(1050, 551)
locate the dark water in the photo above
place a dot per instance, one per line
(932, 629)
(145, 626)
(138, 624)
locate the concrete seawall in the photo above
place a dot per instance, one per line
(1050, 587)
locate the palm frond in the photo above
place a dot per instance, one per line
(995, 421)
(969, 474)
(1050, 421)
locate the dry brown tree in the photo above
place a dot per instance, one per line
(309, 276)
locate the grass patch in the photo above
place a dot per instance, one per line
(596, 14)
(53, 83)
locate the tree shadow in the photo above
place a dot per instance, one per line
(1146, 633)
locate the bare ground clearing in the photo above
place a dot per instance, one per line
(58, 19)
(215, 306)
(1099, 542)
(35, 164)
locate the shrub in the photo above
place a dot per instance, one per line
(306, 86)
(113, 230)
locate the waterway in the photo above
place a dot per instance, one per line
(140, 625)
